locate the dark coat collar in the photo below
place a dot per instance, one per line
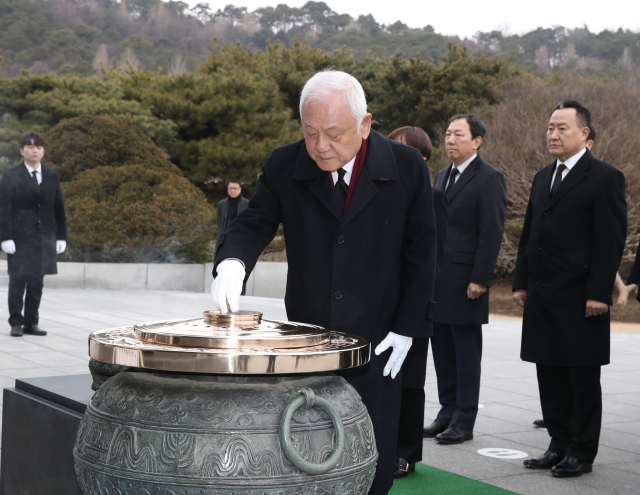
(24, 173)
(575, 175)
(379, 165)
(468, 174)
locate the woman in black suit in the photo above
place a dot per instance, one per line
(414, 369)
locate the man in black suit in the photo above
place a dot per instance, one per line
(358, 219)
(569, 253)
(33, 229)
(591, 138)
(477, 195)
(230, 206)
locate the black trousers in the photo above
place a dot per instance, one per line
(571, 400)
(17, 300)
(457, 354)
(411, 425)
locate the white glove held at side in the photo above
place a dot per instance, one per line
(401, 346)
(61, 246)
(9, 246)
(227, 286)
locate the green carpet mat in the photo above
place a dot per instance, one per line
(427, 480)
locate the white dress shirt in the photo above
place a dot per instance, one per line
(461, 169)
(348, 169)
(569, 164)
(38, 172)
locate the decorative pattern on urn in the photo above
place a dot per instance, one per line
(167, 434)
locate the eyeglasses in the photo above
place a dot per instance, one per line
(232, 188)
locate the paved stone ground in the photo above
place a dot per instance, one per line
(509, 390)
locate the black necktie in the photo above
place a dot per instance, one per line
(35, 177)
(341, 188)
(558, 178)
(452, 180)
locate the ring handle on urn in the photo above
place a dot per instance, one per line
(307, 398)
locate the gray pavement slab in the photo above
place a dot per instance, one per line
(543, 483)
(508, 391)
(632, 467)
(630, 428)
(612, 481)
(492, 426)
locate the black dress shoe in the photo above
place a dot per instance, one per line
(454, 434)
(570, 467)
(403, 468)
(16, 331)
(434, 429)
(539, 423)
(33, 330)
(545, 461)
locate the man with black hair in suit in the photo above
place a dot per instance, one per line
(539, 423)
(477, 195)
(570, 249)
(33, 229)
(230, 206)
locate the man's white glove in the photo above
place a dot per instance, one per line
(61, 246)
(227, 286)
(9, 246)
(401, 346)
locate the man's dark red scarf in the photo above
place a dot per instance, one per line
(355, 173)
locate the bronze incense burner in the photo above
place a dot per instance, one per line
(225, 405)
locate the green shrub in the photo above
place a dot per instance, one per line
(87, 142)
(137, 214)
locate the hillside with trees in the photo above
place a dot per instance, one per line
(82, 37)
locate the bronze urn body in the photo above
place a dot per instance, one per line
(158, 430)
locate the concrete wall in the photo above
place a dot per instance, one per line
(268, 279)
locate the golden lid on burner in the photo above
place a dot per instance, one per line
(201, 333)
(120, 346)
(240, 343)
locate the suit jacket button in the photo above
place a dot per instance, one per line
(539, 281)
(539, 246)
(340, 239)
(338, 295)
(546, 212)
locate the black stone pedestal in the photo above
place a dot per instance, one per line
(40, 420)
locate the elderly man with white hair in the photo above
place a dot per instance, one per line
(358, 219)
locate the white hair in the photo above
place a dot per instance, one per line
(328, 83)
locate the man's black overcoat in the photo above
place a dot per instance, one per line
(222, 214)
(367, 272)
(477, 208)
(570, 251)
(33, 217)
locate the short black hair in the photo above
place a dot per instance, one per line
(592, 133)
(475, 124)
(234, 181)
(31, 139)
(582, 112)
